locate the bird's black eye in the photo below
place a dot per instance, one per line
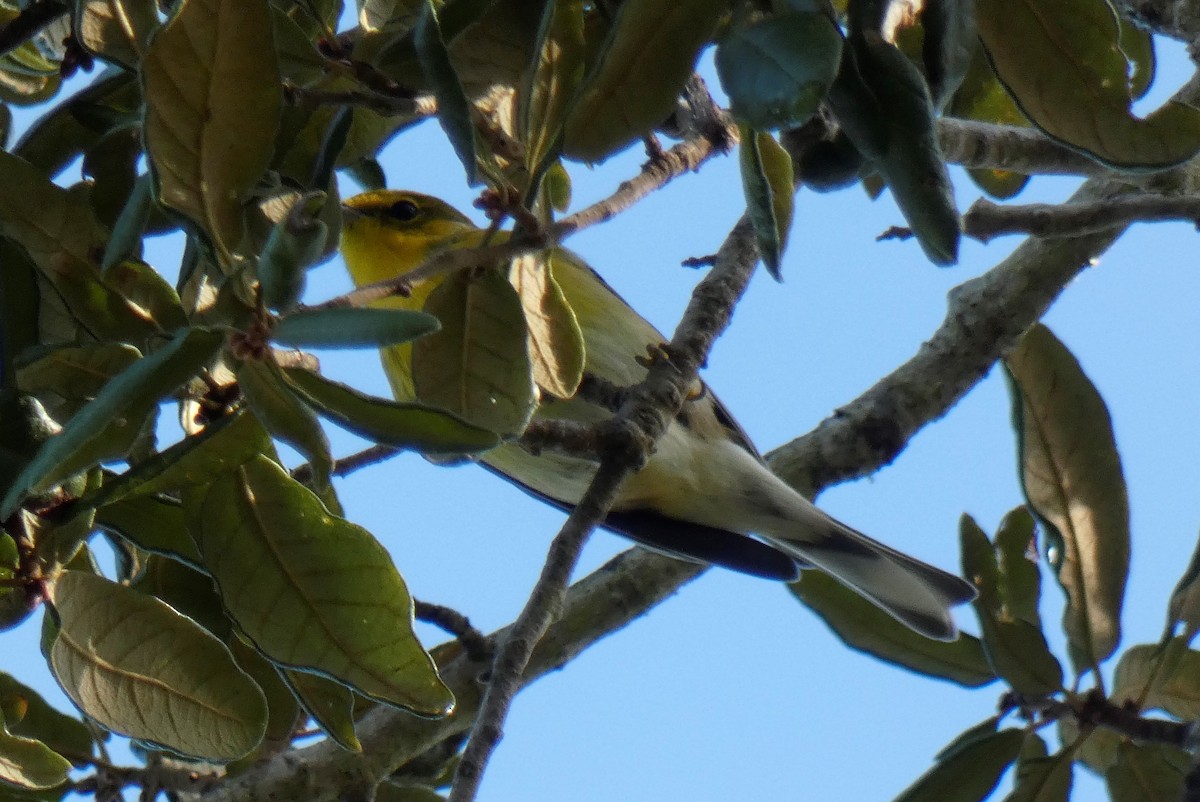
(404, 211)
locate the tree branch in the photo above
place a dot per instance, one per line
(1009, 147)
(629, 439)
(986, 317)
(985, 220)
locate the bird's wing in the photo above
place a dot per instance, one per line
(684, 540)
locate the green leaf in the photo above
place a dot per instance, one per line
(188, 591)
(767, 182)
(310, 590)
(20, 300)
(126, 238)
(948, 40)
(61, 135)
(430, 431)
(1041, 778)
(882, 103)
(28, 763)
(139, 668)
(1016, 648)
(552, 79)
(74, 373)
(107, 426)
(478, 365)
(195, 460)
(967, 772)
(352, 328)
(60, 233)
(1097, 748)
(329, 703)
(863, 626)
(283, 712)
(116, 30)
(152, 523)
(1071, 475)
(1019, 582)
(287, 417)
(213, 103)
(295, 243)
(1184, 607)
(555, 340)
(649, 54)
(1062, 62)
(28, 715)
(1147, 773)
(1166, 678)
(454, 112)
(777, 71)
(145, 287)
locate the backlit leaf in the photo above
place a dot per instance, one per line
(1063, 64)
(1148, 773)
(556, 347)
(213, 101)
(454, 112)
(883, 105)
(767, 182)
(968, 773)
(311, 590)
(329, 703)
(141, 669)
(1071, 475)
(554, 75)
(478, 365)
(1016, 648)
(28, 763)
(863, 626)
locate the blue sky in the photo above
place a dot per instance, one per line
(732, 689)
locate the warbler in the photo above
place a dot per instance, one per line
(705, 494)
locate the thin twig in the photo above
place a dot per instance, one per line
(1018, 149)
(474, 643)
(680, 159)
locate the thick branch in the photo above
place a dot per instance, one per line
(986, 317)
(1009, 147)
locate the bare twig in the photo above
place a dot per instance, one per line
(985, 219)
(474, 643)
(386, 105)
(680, 159)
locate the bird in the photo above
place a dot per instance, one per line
(705, 494)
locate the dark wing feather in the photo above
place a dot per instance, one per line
(688, 541)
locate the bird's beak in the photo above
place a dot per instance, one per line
(350, 214)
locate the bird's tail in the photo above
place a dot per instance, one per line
(916, 593)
